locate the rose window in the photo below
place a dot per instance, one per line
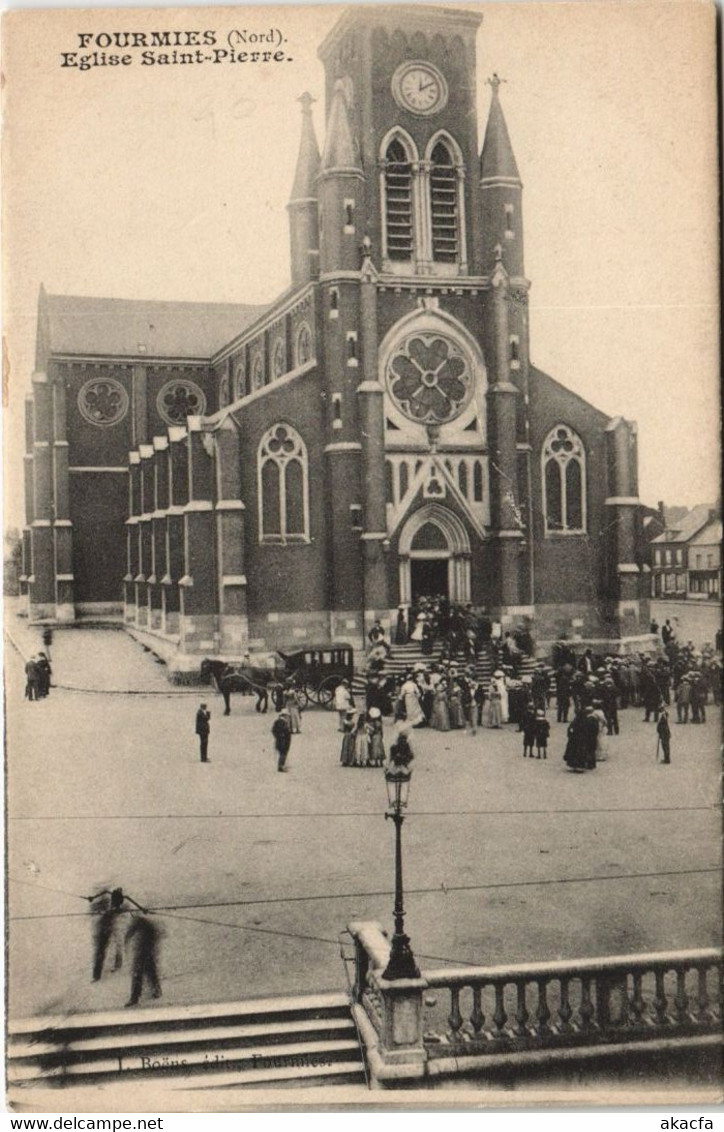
(103, 402)
(180, 399)
(429, 378)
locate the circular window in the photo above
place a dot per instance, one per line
(429, 378)
(180, 399)
(103, 402)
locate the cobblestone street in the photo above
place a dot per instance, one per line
(257, 873)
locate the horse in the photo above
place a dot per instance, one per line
(258, 673)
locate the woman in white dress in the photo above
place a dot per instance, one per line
(499, 686)
(410, 696)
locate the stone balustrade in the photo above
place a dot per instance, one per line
(473, 1018)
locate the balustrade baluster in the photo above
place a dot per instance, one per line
(521, 1014)
(585, 1010)
(702, 996)
(477, 1017)
(636, 1002)
(455, 1018)
(681, 998)
(564, 1010)
(500, 1017)
(659, 1003)
(542, 1014)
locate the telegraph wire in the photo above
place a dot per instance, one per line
(443, 888)
(714, 806)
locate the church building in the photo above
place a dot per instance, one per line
(235, 477)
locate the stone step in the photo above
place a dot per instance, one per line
(288, 1041)
(338, 1073)
(301, 1029)
(288, 1007)
(190, 1059)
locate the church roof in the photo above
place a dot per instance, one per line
(133, 327)
(497, 158)
(308, 161)
(340, 147)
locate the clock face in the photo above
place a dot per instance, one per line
(419, 88)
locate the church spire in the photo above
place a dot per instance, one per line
(497, 161)
(308, 161)
(501, 193)
(302, 207)
(340, 146)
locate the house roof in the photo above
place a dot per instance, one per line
(710, 535)
(133, 327)
(687, 527)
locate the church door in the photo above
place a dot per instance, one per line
(429, 578)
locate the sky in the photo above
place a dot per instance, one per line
(171, 183)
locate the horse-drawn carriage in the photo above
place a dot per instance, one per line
(315, 671)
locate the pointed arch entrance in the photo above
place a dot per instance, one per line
(434, 555)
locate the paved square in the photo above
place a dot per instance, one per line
(257, 873)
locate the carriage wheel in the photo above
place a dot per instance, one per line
(325, 692)
(303, 695)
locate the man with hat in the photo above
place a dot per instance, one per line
(282, 732)
(203, 727)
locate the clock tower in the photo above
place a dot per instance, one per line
(412, 69)
(423, 321)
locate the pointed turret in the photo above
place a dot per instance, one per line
(501, 191)
(340, 145)
(302, 207)
(341, 195)
(497, 161)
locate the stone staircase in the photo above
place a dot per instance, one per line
(267, 1043)
(403, 657)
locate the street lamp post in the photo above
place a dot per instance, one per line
(401, 963)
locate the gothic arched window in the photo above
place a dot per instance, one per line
(257, 372)
(239, 380)
(283, 486)
(444, 212)
(398, 202)
(279, 358)
(564, 480)
(304, 345)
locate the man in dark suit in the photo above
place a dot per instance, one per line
(282, 732)
(203, 727)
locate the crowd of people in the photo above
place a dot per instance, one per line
(589, 691)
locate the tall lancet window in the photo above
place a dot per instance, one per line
(284, 489)
(398, 202)
(564, 480)
(444, 211)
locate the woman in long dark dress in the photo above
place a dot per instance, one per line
(401, 628)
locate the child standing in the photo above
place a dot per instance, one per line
(542, 731)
